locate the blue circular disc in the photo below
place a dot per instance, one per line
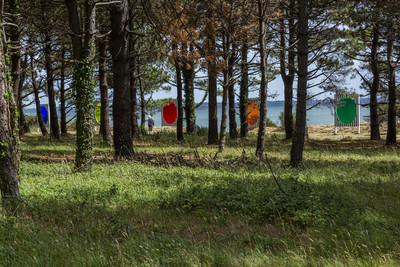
(45, 114)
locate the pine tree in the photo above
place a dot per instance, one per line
(83, 86)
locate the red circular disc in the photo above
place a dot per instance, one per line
(170, 113)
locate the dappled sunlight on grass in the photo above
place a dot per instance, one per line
(340, 207)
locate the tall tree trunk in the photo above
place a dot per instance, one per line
(123, 143)
(134, 104)
(212, 93)
(288, 76)
(37, 99)
(83, 52)
(391, 131)
(373, 105)
(54, 127)
(63, 101)
(263, 86)
(296, 154)
(105, 130)
(225, 88)
(14, 36)
(288, 109)
(233, 134)
(179, 129)
(212, 106)
(244, 91)
(190, 106)
(142, 105)
(212, 73)
(16, 71)
(133, 91)
(134, 78)
(84, 96)
(23, 126)
(9, 149)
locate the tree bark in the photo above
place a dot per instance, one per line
(212, 72)
(233, 133)
(373, 105)
(391, 131)
(225, 88)
(133, 92)
(296, 154)
(142, 106)
(14, 36)
(190, 106)
(23, 126)
(63, 101)
(244, 91)
(54, 127)
(37, 99)
(212, 106)
(179, 129)
(134, 104)
(212, 94)
(105, 130)
(263, 86)
(75, 26)
(83, 52)
(288, 76)
(16, 71)
(123, 143)
(9, 148)
(134, 80)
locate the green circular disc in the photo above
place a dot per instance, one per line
(346, 110)
(97, 113)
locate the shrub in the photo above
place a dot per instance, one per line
(201, 131)
(31, 121)
(271, 123)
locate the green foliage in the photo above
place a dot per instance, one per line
(3, 148)
(282, 119)
(201, 131)
(271, 123)
(154, 106)
(31, 121)
(154, 78)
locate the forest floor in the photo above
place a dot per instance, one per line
(183, 204)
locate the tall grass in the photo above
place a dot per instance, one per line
(341, 207)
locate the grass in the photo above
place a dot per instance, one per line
(341, 207)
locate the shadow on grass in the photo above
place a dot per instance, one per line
(212, 220)
(356, 146)
(362, 168)
(208, 209)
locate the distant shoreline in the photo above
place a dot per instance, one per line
(321, 115)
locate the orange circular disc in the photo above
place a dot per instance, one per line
(252, 114)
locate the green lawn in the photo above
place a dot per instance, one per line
(342, 207)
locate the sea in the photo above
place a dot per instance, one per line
(322, 114)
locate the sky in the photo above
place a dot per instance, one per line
(274, 87)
